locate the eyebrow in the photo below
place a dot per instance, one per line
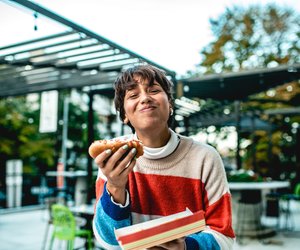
(131, 86)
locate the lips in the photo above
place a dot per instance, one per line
(147, 108)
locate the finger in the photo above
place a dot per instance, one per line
(118, 155)
(156, 248)
(174, 244)
(129, 168)
(113, 161)
(103, 157)
(126, 165)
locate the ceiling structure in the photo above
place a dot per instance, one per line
(74, 58)
(239, 85)
(226, 91)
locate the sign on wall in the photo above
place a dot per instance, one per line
(48, 112)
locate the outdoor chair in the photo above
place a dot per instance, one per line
(49, 201)
(278, 205)
(65, 228)
(287, 198)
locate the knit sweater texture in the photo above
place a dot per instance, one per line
(192, 177)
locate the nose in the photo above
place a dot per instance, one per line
(145, 97)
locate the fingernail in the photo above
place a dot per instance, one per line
(125, 147)
(133, 151)
(108, 151)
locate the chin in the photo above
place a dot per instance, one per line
(153, 125)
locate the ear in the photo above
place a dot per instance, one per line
(126, 120)
(171, 108)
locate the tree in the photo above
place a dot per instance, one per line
(258, 36)
(20, 138)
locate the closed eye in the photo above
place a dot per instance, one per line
(154, 90)
(132, 95)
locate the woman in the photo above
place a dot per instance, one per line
(174, 173)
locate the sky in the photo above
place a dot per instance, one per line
(170, 33)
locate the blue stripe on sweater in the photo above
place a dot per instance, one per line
(105, 225)
(112, 210)
(201, 241)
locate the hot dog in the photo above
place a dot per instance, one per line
(99, 146)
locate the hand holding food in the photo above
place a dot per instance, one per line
(99, 146)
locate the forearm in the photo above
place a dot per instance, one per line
(203, 241)
(108, 217)
(209, 239)
(118, 194)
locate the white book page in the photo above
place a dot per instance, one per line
(152, 223)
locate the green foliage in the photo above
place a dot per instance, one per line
(243, 176)
(252, 37)
(19, 135)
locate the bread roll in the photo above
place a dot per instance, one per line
(99, 146)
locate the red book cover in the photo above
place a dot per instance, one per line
(160, 230)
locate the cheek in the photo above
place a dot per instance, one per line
(128, 108)
(167, 105)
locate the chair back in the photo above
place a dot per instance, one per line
(297, 189)
(64, 222)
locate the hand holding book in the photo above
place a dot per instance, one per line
(161, 230)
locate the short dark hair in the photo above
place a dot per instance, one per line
(146, 72)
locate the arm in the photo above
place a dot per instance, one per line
(108, 216)
(217, 205)
(112, 207)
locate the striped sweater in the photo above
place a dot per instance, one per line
(191, 177)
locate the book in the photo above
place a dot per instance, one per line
(155, 232)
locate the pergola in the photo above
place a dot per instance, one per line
(233, 87)
(239, 85)
(74, 58)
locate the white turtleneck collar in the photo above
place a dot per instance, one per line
(157, 153)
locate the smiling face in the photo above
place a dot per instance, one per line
(146, 105)
(143, 97)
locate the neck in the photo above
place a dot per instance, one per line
(155, 139)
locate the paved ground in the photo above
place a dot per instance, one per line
(283, 238)
(25, 230)
(22, 230)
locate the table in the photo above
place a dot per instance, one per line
(80, 178)
(84, 209)
(251, 203)
(258, 185)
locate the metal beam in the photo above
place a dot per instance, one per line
(62, 20)
(37, 40)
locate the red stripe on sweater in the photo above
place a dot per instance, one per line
(218, 216)
(164, 195)
(99, 188)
